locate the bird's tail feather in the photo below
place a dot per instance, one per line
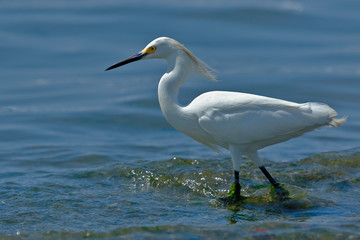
(337, 122)
(324, 110)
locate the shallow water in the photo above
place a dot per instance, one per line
(87, 153)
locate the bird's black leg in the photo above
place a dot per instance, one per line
(234, 194)
(279, 190)
(269, 177)
(237, 183)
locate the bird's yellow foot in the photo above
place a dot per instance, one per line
(278, 192)
(234, 195)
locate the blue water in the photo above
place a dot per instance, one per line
(87, 153)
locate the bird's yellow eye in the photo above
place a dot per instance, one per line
(149, 50)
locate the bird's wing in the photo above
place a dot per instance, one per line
(249, 119)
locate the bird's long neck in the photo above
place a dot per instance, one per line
(168, 89)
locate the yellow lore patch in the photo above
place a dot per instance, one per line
(149, 50)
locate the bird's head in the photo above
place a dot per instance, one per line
(159, 48)
(162, 48)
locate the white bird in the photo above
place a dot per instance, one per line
(240, 122)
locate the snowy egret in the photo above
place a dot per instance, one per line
(240, 122)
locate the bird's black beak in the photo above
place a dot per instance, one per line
(133, 58)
